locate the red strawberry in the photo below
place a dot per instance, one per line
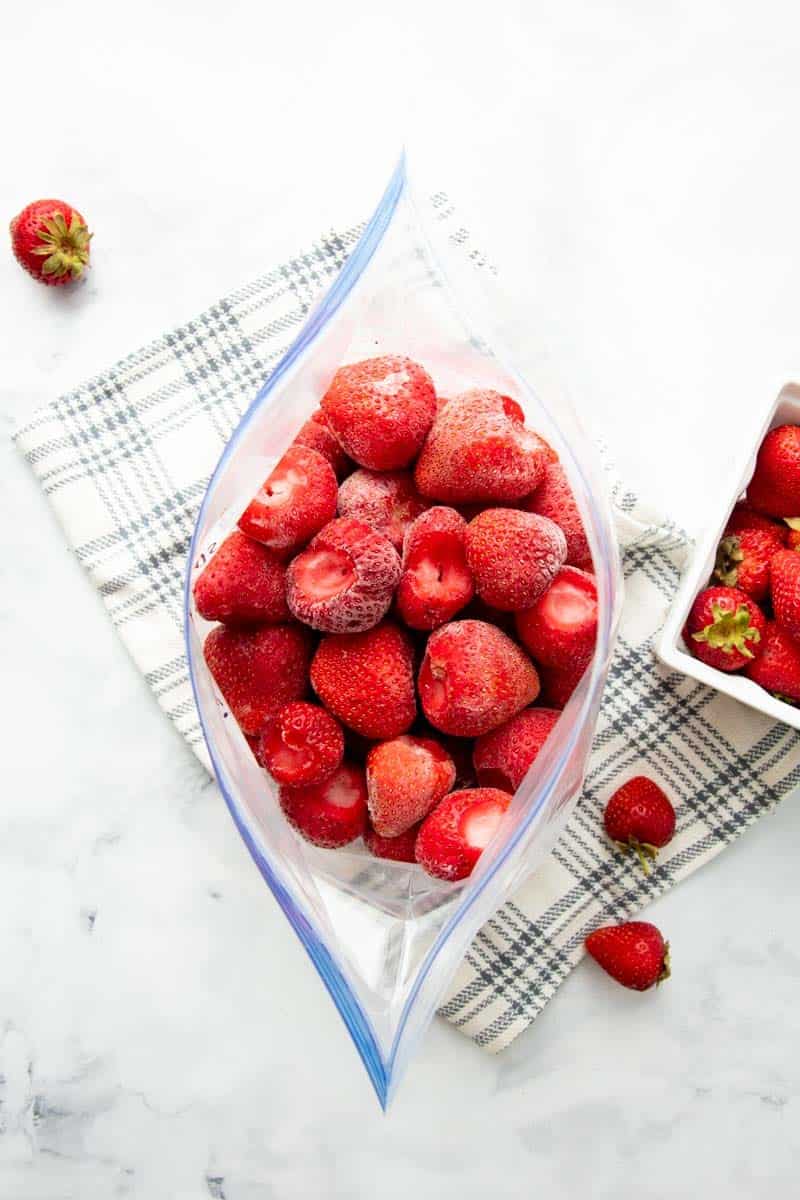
(479, 449)
(560, 630)
(316, 435)
(473, 678)
(724, 628)
(406, 777)
(635, 954)
(553, 498)
(295, 501)
(303, 744)
(558, 683)
(398, 849)
(743, 518)
(367, 680)
(785, 579)
(387, 501)
(435, 581)
(258, 670)
(503, 756)
(775, 486)
(343, 582)
(640, 817)
(243, 583)
(51, 241)
(332, 813)
(743, 560)
(380, 410)
(451, 840)
(777, 667)
(513, 556)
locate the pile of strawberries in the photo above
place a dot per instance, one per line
(748, 619)
(409, 581)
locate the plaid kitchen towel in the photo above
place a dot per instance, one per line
(124, 460)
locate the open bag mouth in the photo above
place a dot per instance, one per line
(385, 937)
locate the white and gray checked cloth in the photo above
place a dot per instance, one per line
(124, 460)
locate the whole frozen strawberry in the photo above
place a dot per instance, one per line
(332, 813)
(50, 240)
(258, 670)
(635, 954)
(785, 584)
(385, 500)
(553, 498)
(344, 580)
(380, 410)
(473, 678)
(513, 556)
(367, 680)
(294, 502)
(777, 668)
(435, 581)
(503, 757)
(244, 583)
(743, 560)
(560, 629)
(724, 628)
(775, 486)
(480, 450)
(303, 744)
(406, 777)
(640, 817)
(451, 840)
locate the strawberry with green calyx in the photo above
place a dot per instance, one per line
(635, 954)
(50, 240)
(724, 628)
(743, 560)
(640, 817)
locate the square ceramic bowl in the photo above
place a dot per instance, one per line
(671, 648)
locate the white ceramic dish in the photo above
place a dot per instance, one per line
(671, 648)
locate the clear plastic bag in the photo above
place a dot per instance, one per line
(384, 936)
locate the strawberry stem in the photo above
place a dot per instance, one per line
(726, 566)
(666, 966)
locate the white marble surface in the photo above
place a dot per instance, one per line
(161, 1033)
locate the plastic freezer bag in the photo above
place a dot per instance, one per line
(385, 936)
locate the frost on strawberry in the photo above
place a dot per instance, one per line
(406, 778)
(293, 503)
(244, 583)
(367, 680)
(436, 581)
(451, 840)
(504, 756)
(513, 556)
(554, 498)
(302, 744)
(258, 670)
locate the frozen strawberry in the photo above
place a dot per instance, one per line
(513, 556)
(479, 449)
(387, 501)
(473, 678)
(553, 498)
(258, 670)
(406, 777)
(743, 518)
(436, 581)
(775, 486)
(451, 840)
(560, 629)
(343, 582)
(316, 435)
(743, 560)
(244, 583)
(302, 744)
(503, 756)
(635, 954)
(332, 813)
(397, 849)
(785, 585)
(295, 501)
(367, 680)
(725, 628)
(381, 410)
(777, 667)
(640, 817)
